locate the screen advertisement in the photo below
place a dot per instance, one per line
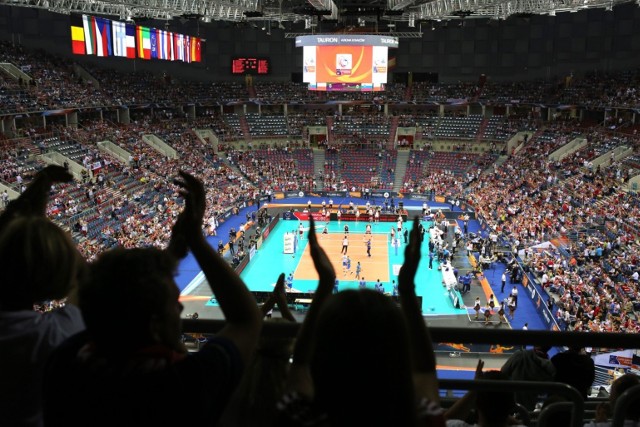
(345, 63)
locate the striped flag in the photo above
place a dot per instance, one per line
(176, 46)
(144, 42)
(171, 55)
(165, 45)
(103, 37)
(199, 46)
(119, 39)
(194, 42)
(161, 41)
(187, 48)
(89, 34)
(130, 41)
(77, 35)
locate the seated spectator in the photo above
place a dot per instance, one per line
(492, 408)
(40, 264)
(130, 366)
(529, 365)
(254, 402)
(340, 369)
(576, 369)
(604, 411)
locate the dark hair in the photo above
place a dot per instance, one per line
(125, 289)
(39, 262)
(495, 406)
(575, 369)
(362, 352)
(618, 387)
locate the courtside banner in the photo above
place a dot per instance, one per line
(417, 196)
(535, 295)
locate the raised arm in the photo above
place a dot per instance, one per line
(424, 360)
(299, 375)
(278, 297)
(33, 202)
(236, 302)
(462, 407)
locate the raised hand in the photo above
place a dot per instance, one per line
(33, 202)
(479, 366)
(279, 287)
(188, 226)
(411, 260)
(320, 260)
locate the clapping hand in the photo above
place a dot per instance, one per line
(33, 202)
(188, 226)
(408, 270)
(321, 261)
(479, 366)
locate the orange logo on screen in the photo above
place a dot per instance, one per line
(344, 64)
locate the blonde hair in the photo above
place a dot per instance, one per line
(39, 262)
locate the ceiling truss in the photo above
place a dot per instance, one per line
(315, 10)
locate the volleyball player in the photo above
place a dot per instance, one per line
(358, 270)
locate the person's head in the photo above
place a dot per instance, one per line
(38, 261)
(494, 407)
(575, 369)
(621, 385)
(130, 300)
(362, 352)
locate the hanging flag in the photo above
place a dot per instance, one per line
(171, 56)
(144, 43)
(130, 42)
(119, 39)
(89, 34)
(194, 42)
(187, 48)
(153, 41)
(176, 46)
(103, 37)
(199, 50)
(161, 44)
(77, 35)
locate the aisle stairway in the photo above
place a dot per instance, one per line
(244, 125)
(401, 169)
(318, 166)
(393, 128)
(329, 129)
(481, 129)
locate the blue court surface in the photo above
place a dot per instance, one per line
(263, 270)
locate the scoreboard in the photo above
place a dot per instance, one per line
(250, 65)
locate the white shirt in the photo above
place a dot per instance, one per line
(345, 242)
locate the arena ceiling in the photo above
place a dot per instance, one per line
(383, 14)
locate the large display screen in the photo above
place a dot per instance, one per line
(345, 63)
(92, 35)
